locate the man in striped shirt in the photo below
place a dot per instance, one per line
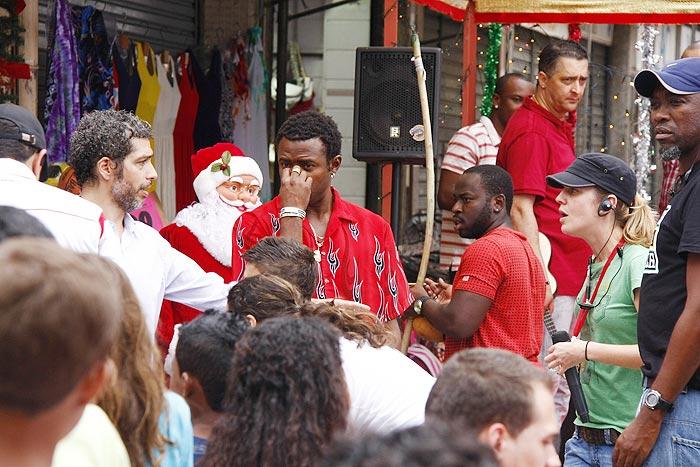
(472, 145)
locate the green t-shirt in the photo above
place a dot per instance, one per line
(613, 392)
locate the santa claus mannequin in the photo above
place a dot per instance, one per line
(227, 184)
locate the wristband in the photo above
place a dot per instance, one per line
(292, 212)
(585, 351)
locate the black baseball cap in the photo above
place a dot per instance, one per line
(596, 169)
(24, 126)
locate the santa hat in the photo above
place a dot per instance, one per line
(216, 164)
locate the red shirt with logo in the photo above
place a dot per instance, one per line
(359, 259)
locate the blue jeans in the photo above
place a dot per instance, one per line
(580, 453)
(678, 444)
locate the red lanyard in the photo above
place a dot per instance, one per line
(588, 304)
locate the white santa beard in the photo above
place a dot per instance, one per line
(212, 224)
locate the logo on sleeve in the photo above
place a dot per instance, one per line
(275, 224)
(333, 261)
(354, 231)
(356, 284)
(239, 236)
(378, 258)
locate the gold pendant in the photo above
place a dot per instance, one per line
(317, 255)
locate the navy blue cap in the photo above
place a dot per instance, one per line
(679, 77)
(24, 126)
(596, 169)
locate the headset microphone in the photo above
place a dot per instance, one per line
(604, 207)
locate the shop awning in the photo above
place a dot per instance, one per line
(572, 11)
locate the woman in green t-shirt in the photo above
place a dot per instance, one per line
(599, 204)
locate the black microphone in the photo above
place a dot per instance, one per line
(572, 378)
(619, 251)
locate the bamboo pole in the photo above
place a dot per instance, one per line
(430, 176)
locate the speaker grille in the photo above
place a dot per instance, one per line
(387, 103)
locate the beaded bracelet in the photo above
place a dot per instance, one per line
(292, 212)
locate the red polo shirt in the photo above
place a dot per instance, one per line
(502, 267)
(536, 144)
(359, 259)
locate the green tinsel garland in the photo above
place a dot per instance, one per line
(491, 67)
(10, 41)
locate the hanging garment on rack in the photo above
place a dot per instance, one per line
(163, 126)
(183, 134)
(250, 130)
(94, 64)
(228, 93)
(62, 94)
(150, 88)
(127, 84)
(206, 128)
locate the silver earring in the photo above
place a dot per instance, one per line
(332, 174)
(495, 106)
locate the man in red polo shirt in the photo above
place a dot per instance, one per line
(497, 300)
(354, 248)
(539, 141)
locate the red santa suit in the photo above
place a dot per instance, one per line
(202, 231)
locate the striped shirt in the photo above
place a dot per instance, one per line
(471, 145)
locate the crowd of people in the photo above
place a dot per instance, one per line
(264, 334)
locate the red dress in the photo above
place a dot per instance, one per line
(183, 139)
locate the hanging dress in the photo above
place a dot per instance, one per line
(250, 130)
(206, 128)
(94, 64)
(183, 141)
(163, 126)
(150, 88)
(127, 83)
(62, 110)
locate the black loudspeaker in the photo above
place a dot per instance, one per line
(387, 104)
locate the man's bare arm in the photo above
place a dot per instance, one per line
(522, 216)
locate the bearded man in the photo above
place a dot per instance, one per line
(111, 154)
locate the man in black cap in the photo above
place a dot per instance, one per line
(666, 429)
(73, 221)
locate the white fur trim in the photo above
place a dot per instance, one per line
(212, 225)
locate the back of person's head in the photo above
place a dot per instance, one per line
(286, 396)
(429, 445)
(16, 222)
(264, 296)
(495, 181)
(59, 316)
(481, 386)
(21, 134)
(358, 326)
(107, 133)
(134, 399)
(287, 258)
(205, 348)
(503, 80)
(309, 125)
(552, 52)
